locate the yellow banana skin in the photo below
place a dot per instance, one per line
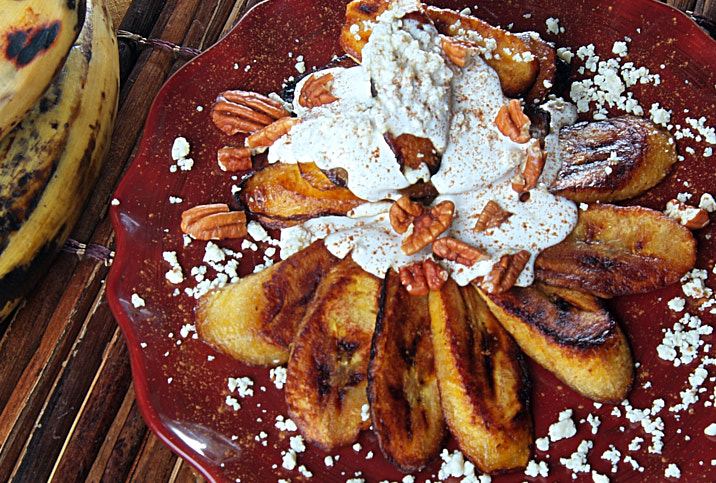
(35, 39)
(51, 160)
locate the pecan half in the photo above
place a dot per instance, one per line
(456, 49)
(422, 277)
(234, 158)
(403, 212)
(491, 216)
(504, 273)
(691, 217)
(428, 226)
(268, 135)
(513, 122)
(213, 222)
(316, 91)
(245, 112)
(531, 168)
(457, 251)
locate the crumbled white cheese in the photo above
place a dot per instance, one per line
(542, 444)
(672, 471)
(564, 428)
(553, 26)
(577, 462)
(289, 460)
(535, 469)
(677, 304)
(612, 455)
(137, 301)
(180, 148)
(256, 231)
(707, 202)
(233, 402)
(681, 342)
(365, 412)
(594, 422)
(297, 444)
(278, 376)
(285, 424)
(242, 384)
(599, 478)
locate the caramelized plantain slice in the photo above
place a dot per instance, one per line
(402, 385)
(515, 64)
(571, 335)
(412, 152)
(279, 192)
(326, 373)
(612, 160)
(254, 319)
(616, 250)
(360, 15)
(483, 382)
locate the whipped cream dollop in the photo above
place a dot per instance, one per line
(406, 84)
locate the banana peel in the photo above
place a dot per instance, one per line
(35, 40)
(51, 160)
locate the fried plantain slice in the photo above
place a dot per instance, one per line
(570, 334)
(513, 61)
(254, 319)
(611, 160)
(326, 373)
(617, 250)
(484, 389)
(279, 192)
(360, 15)
(402, 386)
(412, 153)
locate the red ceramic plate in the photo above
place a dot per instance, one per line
(181, 383)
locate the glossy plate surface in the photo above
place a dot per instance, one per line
(181, 383)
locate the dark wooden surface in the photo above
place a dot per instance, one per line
(67, 406)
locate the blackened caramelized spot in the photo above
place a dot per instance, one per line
(369, 7)
(557, 316)
(24, 45)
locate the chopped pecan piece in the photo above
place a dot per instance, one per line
(504, 273)
(513, 122)
(435, 275)
(245, 112)
(403, 212)
(428, 226)
(491, 216)
(531, 170)
(456, 49)
(213, 222)
(413, 279)
(691, 217)
(422, 277)
(457, 251)
(234, 158)
(316, 91)
(269, 134)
